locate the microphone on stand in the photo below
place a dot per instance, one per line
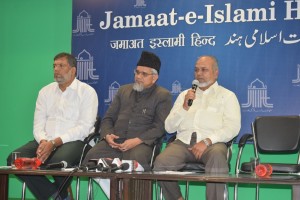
(195, 84)
(134, 166)
(123, 167)
(89, 166)
(103, 165)
(102, 168)
(62, 164)
(94, 166)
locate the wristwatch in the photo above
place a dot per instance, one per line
(54, 145)
(206, 142)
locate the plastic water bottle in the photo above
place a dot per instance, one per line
(263, 170)
(27, 163)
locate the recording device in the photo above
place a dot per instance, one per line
(195, 84)
(62, 164)
(119, 140)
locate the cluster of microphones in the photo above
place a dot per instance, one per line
(102, 165)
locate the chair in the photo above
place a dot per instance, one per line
(277, 135)
(199, 167)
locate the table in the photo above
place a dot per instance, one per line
(147, 177)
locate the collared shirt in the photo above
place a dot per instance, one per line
(214, 114)
(69, 115)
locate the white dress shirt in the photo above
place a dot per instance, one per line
(214, 114)
(69, 115)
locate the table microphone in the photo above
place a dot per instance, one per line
(89, 166)
(62, 164)
(102, 168)
(123, 166)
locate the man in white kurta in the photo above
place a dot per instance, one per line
(214, 118)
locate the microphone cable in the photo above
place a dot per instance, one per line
(65, 182)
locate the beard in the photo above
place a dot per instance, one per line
(138, 87)
(61, 79)
(204, 84)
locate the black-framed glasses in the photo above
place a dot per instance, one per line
(144, 74)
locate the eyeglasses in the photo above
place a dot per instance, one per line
(59, 65)
(144, 74)
(202, 70)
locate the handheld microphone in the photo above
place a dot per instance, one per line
(195, 84)
(62, 164)
(123, 166)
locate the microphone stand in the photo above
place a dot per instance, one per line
(65, 182)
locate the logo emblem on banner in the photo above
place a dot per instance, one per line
(112, 91)
(85, 68)
(83, 25)
(176, 87)
(257, 98)
(296, 81)
(140, 4)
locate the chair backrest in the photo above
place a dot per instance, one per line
(94, 136)
(276, 134)
(97, 124)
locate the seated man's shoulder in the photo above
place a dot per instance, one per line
(225, 91)
(50, 87)
(85, 87)
(162, 90)
(225, 94)
(125, 88)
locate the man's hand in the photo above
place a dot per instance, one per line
(130, 143)
(189, 95)
(44, 150)
(110, 140)
(198, 149)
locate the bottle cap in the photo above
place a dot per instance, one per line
(263, 170)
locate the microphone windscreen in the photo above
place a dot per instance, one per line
(124, 166)
(64, 164)
(195, 82)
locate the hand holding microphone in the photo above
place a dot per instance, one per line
(195, 85)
